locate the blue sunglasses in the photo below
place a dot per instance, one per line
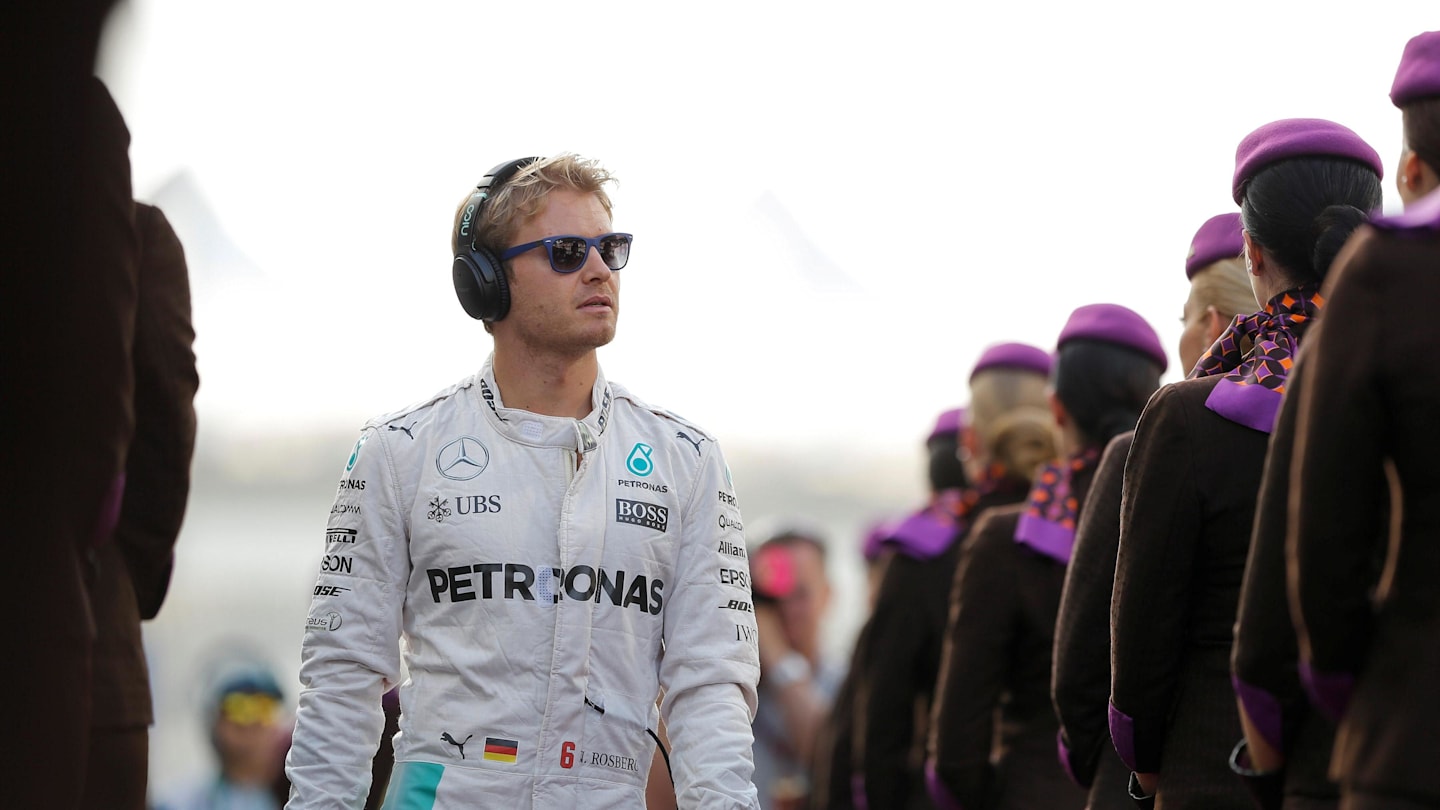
(568, 253)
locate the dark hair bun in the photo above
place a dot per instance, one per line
(1333, 227)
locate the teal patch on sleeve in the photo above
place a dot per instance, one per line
(413, 786)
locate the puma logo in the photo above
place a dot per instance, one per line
(445, 735)
(680, 434)
(406, 429)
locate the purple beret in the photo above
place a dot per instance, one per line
(1297, 137)
(948, 422)
(1112, 323)
(1219, 238)
(1419, 73)
(1013, 355)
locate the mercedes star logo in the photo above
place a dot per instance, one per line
(462, 459)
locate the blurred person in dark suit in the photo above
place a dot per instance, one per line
(67, 305)
(128, 577)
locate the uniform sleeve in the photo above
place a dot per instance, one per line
(1159, 532)
(1080, 680)
(157, 470)
(974, 660)
(350, 655)
(889, 680)
(1337, 501)
(711, 663)
(1263, 661)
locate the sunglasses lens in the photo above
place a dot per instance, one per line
(568, 254)
(615, 251)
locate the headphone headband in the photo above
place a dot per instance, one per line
(494, 179)
(479, 277)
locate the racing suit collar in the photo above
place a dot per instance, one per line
(536, 430)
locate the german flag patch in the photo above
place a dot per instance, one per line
(499, 750)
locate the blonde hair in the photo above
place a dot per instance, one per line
(524, 194)
(1025, 438)
(1225, 286)
(1010, 418)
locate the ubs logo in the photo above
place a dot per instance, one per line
(462, 459)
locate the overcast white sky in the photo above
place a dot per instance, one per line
(836, 205)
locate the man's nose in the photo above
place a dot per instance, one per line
(595, 268)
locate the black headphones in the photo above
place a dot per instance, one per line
(479, 276)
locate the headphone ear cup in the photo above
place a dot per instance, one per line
(481, 286)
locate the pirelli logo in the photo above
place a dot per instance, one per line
(640, 513)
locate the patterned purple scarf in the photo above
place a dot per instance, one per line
(928, 532)
(1048, 525)
(1254, 383)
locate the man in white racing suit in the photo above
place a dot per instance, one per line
(544, 553)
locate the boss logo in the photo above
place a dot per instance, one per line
(640, 513)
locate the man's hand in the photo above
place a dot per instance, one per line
(773, 643)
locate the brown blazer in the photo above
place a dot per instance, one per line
(1080, 680)
(997, 655)
(1189, 505)
(1372, 393)
(1265, 655)
(132, 573)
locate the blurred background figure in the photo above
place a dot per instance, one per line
(797, 683)
(250, 732)
(1009, 433)
(830, 762)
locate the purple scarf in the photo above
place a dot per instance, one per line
(1254, 383)
(1048, 525)
(928, 532)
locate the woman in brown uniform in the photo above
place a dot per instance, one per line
(1007, 588)
(1369, 652)
(898, 652)
(1080, 681)
(1194, 470)
(1287, 748)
